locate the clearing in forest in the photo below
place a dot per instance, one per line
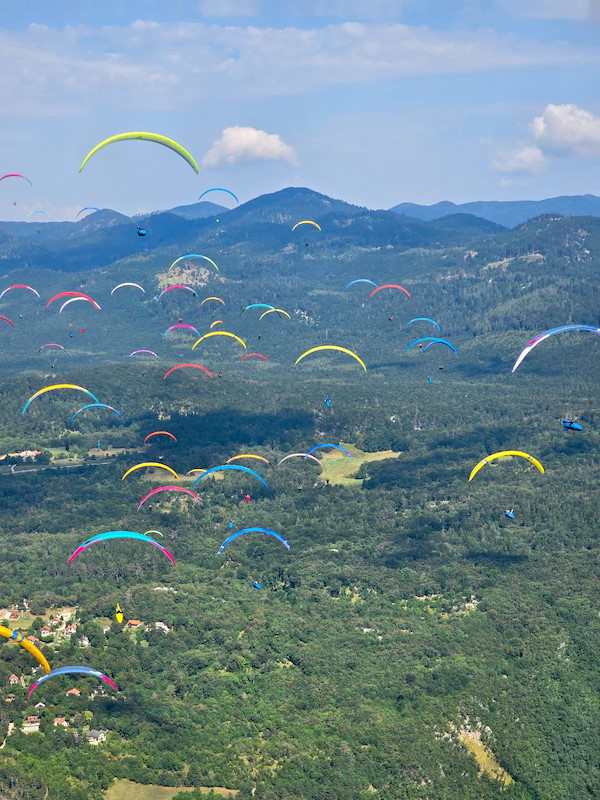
(338, 468)
(123, 789)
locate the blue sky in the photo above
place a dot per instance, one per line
(377, 102)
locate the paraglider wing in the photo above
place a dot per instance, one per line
(423, 319)
(219, 333)
(151, 137)
(206, 299)
(137, 352)
(279, 311)
(94, 405)
(182, 325)
(248, 455)
(71, 671)
(157, 433)
(76, 300)
(16, 175)
(170, 489)
(306, 222)
(121, 285)
(178, 286)
(359, 280)
(233, 467)
(320, 446)
(219, 189)
(501, 454)
(17, 637)
(52, 344)
(418, 341)
(441, 341)
(180, 366)
(72, 294)
(150, 464)
(109, 535)
(194, 255)
(6, 319)
(58, 386)
(252, 530)
(215, 322)
(542, 336)
(256, 305)
(86, 208)
(390, 286)
(299, 455)
(19, 286)
(331, 347)
(254, 355)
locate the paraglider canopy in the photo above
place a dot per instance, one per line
(569, 425)
(509, 513)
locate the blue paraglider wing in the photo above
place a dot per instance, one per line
(231, 466)
(252, 530)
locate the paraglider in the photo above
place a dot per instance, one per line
(306, 222)
(160, 433)
(109, 535)
(546, 334)
(508, 513)
(331, 347)
(252, 530)
(178, 286)
(298, 455)
(141, 231)
(218, 299)
(390, 286)
(122, 285)
(24, 642)
(256, 585)
(327, 401)
(145, 464)
(119, 614)
(247, 498)
(256, 305)
(139, 352)
(16, 175)
(19, 286)
(180, 366)
(150, 137)
(419, 342)
(58, 386)
(219, 333)
(219, 189)
(52, 344)
(278, 311)
(248, 455)
(94, 405)
(6, 319)
(423, 319)
(184, 326)
(231, 467)
(430, 379)
(254, 355)
(71, 671)
(441, 341)
(194, 255)
(76, 300)
(170, 489)
(86, 208)
(359, 280)
(72, 294)
(571, 425)
(502, 454)
(320, 446)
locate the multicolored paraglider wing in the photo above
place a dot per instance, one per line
(24, 642)
(71, 671)
(546, 334)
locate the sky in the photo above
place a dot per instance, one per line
(375, 102)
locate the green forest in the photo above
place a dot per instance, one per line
(410, 616)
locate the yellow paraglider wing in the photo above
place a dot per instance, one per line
(150, 464)
(501, 454)
(150, 137)
(58, 386)
(306, 222)
(248, 455)
(206, 299)
(27, 645)
(332, 347)
(271, 310)
(219, 333)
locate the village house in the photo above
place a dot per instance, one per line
(70, 630)
(32, 725)
(55, 622)
(134, 623)
(96, 737)
(10, 698)
(13, 616)
(73, 692)
(84, 641)
(46, 631)
(159, 626)
(39, 706)
(33, 639)
(13, 680)
(60, 722)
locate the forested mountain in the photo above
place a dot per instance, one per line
(506, 212)
(412, 627)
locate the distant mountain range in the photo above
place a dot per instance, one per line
(507, 212)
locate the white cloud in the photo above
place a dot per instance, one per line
(527, 158)
(567, 130)
(240, 143)
(162, 67)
